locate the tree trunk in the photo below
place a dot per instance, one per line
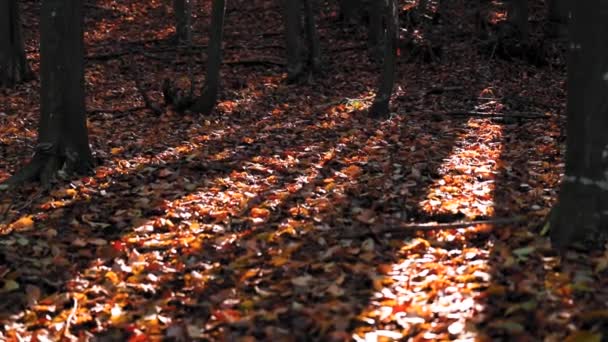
(63, 142)
(293, 28)
(205, 103)
(13, 63)
(518, 17)
(183, 21)
(581, 213)
(314, 54)
(558, 17)
(350, 9)
(380, 107)
(375, 31)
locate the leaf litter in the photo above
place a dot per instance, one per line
(265, 220)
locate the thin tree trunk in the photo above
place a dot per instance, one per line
(63, 142)
(314, 55)
(558, 17)
(183, 20)
(518, 17)
(293, 28)
(205, 103)
(349, 9)
(582, 210)
(380, 107)
(376, 30)
(13, 63)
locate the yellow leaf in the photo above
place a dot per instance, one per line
(250, 273)
(584, 336)
(279, 261)
(116, 150)
(62, 193)
(117, 315)
(112, 277)
(10, 285)
(26, 222)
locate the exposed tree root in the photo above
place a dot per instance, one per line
(379, 109)
(45, 167)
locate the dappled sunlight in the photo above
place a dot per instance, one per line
(469, 190)
(437, 278)
(106, 30)
(287, 213)
(129, 270)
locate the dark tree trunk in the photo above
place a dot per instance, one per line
(314, 54)
(13, 64)
(558, 17)
(350, 9)
(205, 103)
(518, 18)
(183, 20)
(581, 213)
(63, 142)
(376, 30)
(298, 12)
(293, 28)
(380, 107)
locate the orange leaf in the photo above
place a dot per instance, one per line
(26, 222)
(352, 171)
(219, 215)
(228, 315)
(260, 213)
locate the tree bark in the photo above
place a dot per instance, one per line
(581, 213)
(205, 103)
(314, 53)
(63, 142)
(293, 28)
(558, 17)
(183, 21)
(375, 33)
(350, 9)
(13, 63)
(380, 107)
(518, 17)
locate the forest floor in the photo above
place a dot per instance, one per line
(287, 214)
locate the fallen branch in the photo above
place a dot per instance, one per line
(256, 62)
(514, 115)
(181, 49)
(398, 228)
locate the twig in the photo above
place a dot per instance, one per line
(398, 228)
(31, 200)
(66, 329)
